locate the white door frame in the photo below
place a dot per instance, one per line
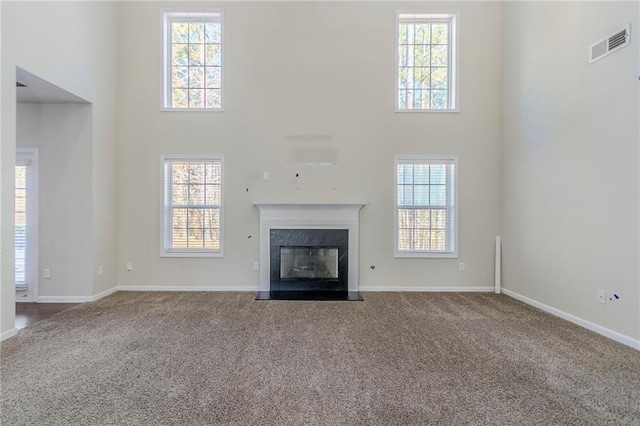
(30, 158)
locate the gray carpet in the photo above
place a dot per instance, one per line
(396, 358)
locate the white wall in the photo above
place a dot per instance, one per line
(308, 67)
(570, 202)
(72, 45)
(62, 135)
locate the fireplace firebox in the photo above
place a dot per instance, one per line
(304, 260)
(308, 263)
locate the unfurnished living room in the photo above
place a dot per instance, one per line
(320, 212)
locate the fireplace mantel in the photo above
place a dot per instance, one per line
(274, 215)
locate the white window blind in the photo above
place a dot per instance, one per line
(20, 224)
(192, 206)
(426, 213)
(193, 60)
(425, 61)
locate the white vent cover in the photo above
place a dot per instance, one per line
(610, 44)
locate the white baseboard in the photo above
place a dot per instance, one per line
(614, 335)
(24, 300)
(428, 289)
(185, 288)
(104, 294)
(64, 299)
(8, 333)
(74, 299)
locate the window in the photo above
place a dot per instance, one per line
(426, 62)
(192, 206)
(20, 215)
(426, 216)
(25, 215)
(193, 60)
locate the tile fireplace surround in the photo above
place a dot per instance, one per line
(308, 216)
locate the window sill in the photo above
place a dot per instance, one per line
(191, 254)
(425, 255)
(191, 110)
(437, 111)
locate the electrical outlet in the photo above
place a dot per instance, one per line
(602, 296)
(265, 176)
(47, 273)
(256, 266)
(100, 270)
(462, 267)
(129, 265)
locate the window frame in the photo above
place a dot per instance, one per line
(453, 16)
(166, 16)
(167, 219)
(451, 234)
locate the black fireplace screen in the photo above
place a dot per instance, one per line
(308, 262)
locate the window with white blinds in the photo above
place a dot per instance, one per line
(20, 225)
(426, 214)
(426, 61)
(192, 207)
(193, 60)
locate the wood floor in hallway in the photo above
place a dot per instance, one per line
(29, 313)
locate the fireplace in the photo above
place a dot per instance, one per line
(309, 260)
(308, 263)
(309, 251)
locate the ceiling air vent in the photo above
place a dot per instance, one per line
(610, 44)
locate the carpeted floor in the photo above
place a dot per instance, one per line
(396, 358)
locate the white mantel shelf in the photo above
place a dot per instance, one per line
(315, 215)
(314, 204)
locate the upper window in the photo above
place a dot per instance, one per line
(426, 213)
(193, 60)
(425, 62)
(192, 207)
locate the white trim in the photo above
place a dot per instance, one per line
(427, 111)
(411, 289)
(64, 299)
(422, 254)
(7, 334)
(194, 253)
(192, 109)
(187, 288)
(104, 294)
(74, 299)
(614, 335)
(497, 280)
